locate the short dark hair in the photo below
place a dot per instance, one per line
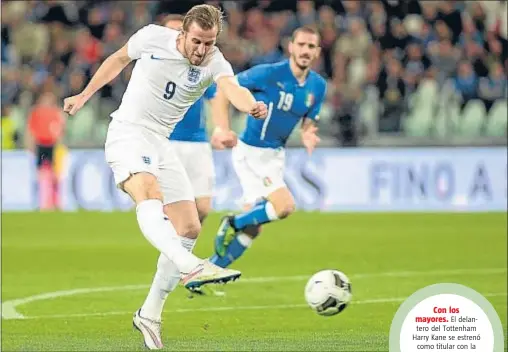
(206, 16)
(306, 29)
(172, 17)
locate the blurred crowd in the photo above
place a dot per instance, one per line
(54, 47)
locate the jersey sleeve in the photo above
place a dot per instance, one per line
(211, 91)
(143, 41)
(253, 77)
(313, 113)
(220, 67)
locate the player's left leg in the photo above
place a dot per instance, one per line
(180, 209)
(183, 215)
(247, 226)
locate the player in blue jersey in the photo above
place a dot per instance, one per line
(293, 93)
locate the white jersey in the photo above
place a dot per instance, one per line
(164, 84)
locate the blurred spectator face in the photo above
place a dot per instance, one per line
(496, 72)
(235, 19)
(377, 12)
(465, 69)
(61, 45)
(305, 7)
(379, 29)
(351, 6)
(254, 22)
(112, 32)
(356, 27)
(304, 49)
(117, 15)
(414, 52)
(429, 10)
(95, 17)
(255, 18)
(268, 41)
(442, 30)
(398, 29)
(278, 21)
(327, 15)
(82, 38)
(328, 36)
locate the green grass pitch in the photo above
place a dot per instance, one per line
(387, 257)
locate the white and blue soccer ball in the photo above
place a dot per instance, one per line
(328, 292)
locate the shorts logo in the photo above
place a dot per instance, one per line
(193, 74)
(146, 160)
(267, 181)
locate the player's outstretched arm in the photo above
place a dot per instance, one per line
(108, 70)
(220, 110)
(222, 136)
(241, 97)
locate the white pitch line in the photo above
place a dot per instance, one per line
(9, 307)
(230, 308)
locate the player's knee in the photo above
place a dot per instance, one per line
(252, 231)
(203, 210)
(286, 209)
(142, 186)
(191, 229)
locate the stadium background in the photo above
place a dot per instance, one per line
(399, 74)
(415, 120)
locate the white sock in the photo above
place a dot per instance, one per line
(244, 240)
(270, 211)
(162, 235)
(188, 243)
(166, 279)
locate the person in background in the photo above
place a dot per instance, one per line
(10, 135)
(46, 124)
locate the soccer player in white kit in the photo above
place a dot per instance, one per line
(172, 71)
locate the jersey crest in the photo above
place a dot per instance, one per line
(310, 100)
(193, 74)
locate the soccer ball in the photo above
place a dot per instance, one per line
(328, 292)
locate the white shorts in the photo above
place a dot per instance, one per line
(197, 160)
(132, 148)
(260, 170)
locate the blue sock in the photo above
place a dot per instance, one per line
(234, 251)
(261, 213)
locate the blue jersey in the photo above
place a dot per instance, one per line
(287, 100)
(192, 128)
